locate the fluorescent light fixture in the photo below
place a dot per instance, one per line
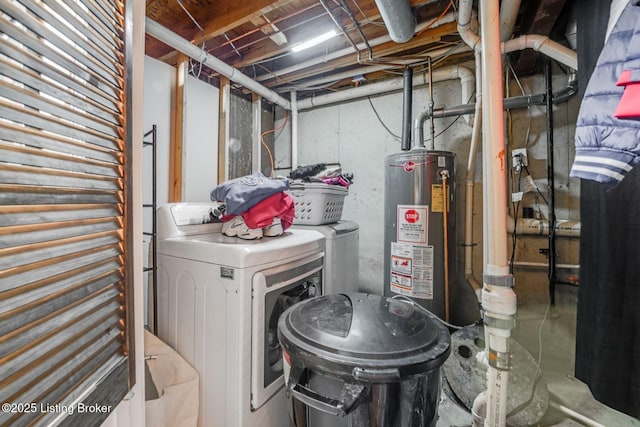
(314, 41)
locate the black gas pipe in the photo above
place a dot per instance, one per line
(551, 186)
(407, 100)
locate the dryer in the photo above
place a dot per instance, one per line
(219, 299)
(341, 255)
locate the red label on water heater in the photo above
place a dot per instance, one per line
(409, 166)
(411, 216)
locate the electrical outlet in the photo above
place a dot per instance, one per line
(519, 158)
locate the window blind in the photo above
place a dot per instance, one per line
(64, 288)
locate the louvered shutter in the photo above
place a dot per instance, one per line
(64, 287)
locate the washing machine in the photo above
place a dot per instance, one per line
(341, 257)
(218, 303)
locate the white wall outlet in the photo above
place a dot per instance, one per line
(519, 158)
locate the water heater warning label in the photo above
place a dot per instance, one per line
(412, 270)
(412, 223)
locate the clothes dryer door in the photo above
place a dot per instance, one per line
(274, 291)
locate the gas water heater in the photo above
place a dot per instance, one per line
(419, 233)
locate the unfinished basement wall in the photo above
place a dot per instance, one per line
(200, 146)
(353, 134)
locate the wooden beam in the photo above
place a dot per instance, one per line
(177, 142)
(223, 128)
(232, 13)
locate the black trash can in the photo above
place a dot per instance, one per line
(362, 360)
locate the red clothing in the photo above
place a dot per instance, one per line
(261, 214)
(629, 106)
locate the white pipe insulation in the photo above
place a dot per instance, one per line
(540, 227)
(465, 75)
(398, 18)
(449, 17)
(434, 54)
(182, 45)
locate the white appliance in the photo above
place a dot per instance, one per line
(219, 299)
(341, 258)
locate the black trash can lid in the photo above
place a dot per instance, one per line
(346, 331)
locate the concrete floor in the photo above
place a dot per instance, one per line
(571, 402)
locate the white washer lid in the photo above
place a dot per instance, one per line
(216, 248)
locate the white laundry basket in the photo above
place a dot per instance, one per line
(317, 203)
(177, 384)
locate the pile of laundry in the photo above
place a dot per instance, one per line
(321, 172)
(254, 206)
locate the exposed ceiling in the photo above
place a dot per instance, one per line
(256, 37)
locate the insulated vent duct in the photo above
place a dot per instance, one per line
(398, 18)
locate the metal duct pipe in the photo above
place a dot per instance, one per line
(407, 101)
(397, 16)
(172, 39)
(508, 15)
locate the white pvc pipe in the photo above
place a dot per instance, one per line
(476, 137)
(544, 45)
(180, 44)
(494, 157)
(449, 17)
(294, 130)
(441, 74)
(465, 22)
(498, 302)
(575, 415)
(540, 227)
(497, 382)
(434, 54)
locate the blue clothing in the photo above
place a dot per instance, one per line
(607, 148)
(242, 193)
